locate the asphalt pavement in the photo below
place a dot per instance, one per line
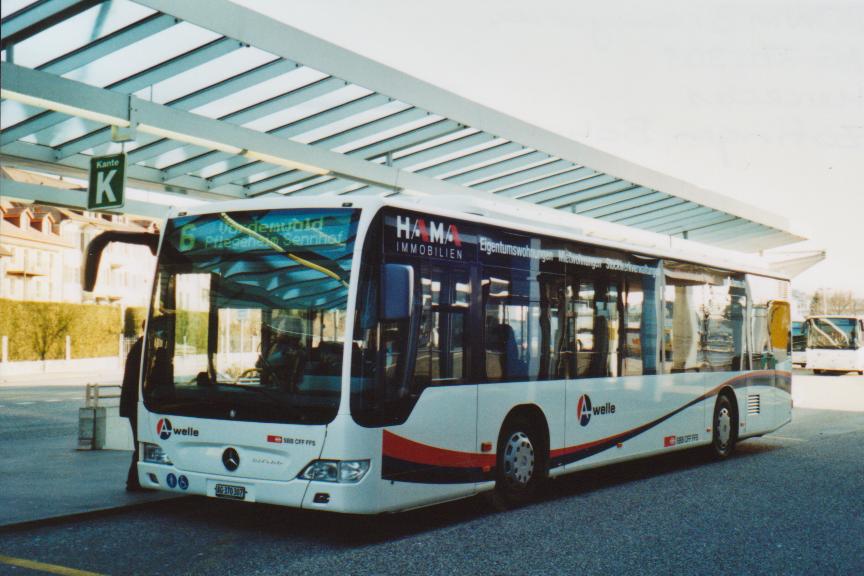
(787, 503)
(43, 474)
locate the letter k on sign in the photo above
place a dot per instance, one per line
(107, 182)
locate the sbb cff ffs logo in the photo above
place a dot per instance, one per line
(584, 409)
(165, 430)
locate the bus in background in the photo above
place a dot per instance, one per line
(799, 342)
(835, 344)
(378, 355)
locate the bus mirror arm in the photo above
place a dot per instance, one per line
(398, 293)
(98, 245)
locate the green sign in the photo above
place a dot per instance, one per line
(107, 182)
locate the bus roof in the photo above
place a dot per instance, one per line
(518, 216)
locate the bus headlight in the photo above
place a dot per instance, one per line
(154, 454)
(342, 471)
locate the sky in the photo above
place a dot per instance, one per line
(760, 100)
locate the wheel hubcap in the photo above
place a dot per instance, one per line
(519, 459)
(724, 427)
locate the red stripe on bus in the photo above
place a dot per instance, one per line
(396, 446)
(401, 448)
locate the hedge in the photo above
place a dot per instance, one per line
(192, 331)
(38, 330)
(133, 321)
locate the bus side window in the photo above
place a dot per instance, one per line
(525, 325)
(445, 294)
(509, 324)
(594, 323)
(634, 303)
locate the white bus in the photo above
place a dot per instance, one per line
(835, 344)
(378, 355)
(799, 342)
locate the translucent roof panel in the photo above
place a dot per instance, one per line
(142, 55)
(207, 74)
(233, 101)
(11, 6)
(78, 31)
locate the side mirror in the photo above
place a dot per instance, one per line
(99, 243)
(397, 295)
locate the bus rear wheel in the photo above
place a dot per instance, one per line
(725, 428)
(520, 468)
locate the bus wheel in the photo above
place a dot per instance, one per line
(518, 470)
(725, 425)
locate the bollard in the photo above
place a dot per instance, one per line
(91, 428)
(91, 421)
(86, 427)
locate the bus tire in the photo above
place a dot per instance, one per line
(520, 465)
(725, 427)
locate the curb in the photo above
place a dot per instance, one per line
(91, 514)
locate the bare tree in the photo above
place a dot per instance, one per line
(835, 302)
(48, 328)
(817, 303)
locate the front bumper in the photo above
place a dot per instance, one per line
(345, 498)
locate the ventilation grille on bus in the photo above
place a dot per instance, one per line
(754, 405)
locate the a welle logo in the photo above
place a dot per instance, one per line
(427, 237)
(164, 429)
(584, 409)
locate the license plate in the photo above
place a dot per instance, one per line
(230, 491)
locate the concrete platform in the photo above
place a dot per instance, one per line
(42, 475)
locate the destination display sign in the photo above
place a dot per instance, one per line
(271, 230)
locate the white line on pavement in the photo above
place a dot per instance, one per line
(783, 438)
(24, 403)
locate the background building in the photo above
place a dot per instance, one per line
(42, 252)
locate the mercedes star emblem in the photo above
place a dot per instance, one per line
(231, 459)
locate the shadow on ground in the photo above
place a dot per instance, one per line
(350, 531)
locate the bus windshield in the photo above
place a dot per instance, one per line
(831, 333)
(248, 315)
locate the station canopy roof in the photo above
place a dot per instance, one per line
(218, 101)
